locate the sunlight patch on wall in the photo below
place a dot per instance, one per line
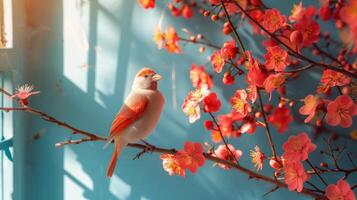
(76, 181)
(106, 65)
(119, 188)
(75, 44)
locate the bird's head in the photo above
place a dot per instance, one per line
(146, 78)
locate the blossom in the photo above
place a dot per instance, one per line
(211, 103)
(217, 61)
(331, 78)
(229, 50)
(258, 157)
(298, 12)
(168, 39)
(274, 81)
(171, 39)
(216, 136)
(348, 13)
(325, 12)
(298, 147)
(281, 118)
(159, 37)
(273, 20)
(226, 123)
(187, 11)
(295, 176)
(340, 111)
(171, 165)
(228, 79)
(24, 92)
(249, 125)
(199, 77)
(192, 110)
(310, 30)
(276, 59)
(311, 103)
(191, 157)
(223, 153)
(255, 75)
(191, 105)
(147, 4)
(239, 104)
(339, 191)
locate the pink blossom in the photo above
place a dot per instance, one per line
(310, 105)
(295, 176)
(276, 59)
(298, 147)
(24, 92)
(171, 165)
(191, 157)
(340, 191)
(258, 157)
(223, 153)
(341, 111)
(239, 104)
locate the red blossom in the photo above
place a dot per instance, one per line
(191, 157)
(273, 20)
(310, 30)
(187, 11)
(211, 103)
(217, 61)
(325, 12)
(281, 118)
(341, 111)
(295, 176)
(277, 59)
(298, 147)
(223, 153)
(226, 123)
(147, 4)
(255, 75)
(229, 50)
(331, 79)
(228, 79)
(340, 190)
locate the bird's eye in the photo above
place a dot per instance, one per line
(146, 76)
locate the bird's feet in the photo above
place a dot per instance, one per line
(148, 149)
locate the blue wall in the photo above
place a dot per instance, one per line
(82, 56)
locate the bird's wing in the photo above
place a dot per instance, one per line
(133, 108)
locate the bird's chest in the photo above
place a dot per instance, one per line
(148, 121)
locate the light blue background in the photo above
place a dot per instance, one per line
(84, 66)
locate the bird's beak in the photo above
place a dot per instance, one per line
(156, 77)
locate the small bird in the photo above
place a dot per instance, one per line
(139, 115)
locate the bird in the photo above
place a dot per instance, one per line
(139, 114)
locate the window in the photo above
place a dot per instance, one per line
(5, 24)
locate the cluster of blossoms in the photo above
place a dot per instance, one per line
(190, 158)
(296, 150)
(287, 38)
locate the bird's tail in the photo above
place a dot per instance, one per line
(119, 144)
